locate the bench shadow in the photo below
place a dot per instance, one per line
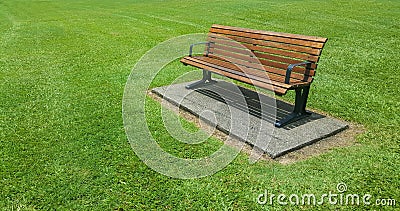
(253, 105)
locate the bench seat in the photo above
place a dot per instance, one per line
(264, 80)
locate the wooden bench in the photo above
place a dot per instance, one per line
(275, 61)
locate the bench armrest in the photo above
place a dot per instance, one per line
(290, 68)
(199, 43)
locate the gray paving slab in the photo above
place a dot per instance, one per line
(250, 116)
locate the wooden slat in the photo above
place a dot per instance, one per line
(228, 38)
(286, 61)
(248, 71)
(290, 54)
(258, 63)
(244, 71)
(241, 77)
(268, 38)
(246, 59)
(239, 50)
(273, 74)
(265, 59)
(278, 34)
(242, 62)
(244, 50)
(268, 50)
(297, 69)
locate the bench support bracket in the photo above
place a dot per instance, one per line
(299, 110)
(204, 81)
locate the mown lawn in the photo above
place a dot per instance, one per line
(64, 65)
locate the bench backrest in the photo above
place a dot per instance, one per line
(275, 51)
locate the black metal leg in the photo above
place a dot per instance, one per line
(299, 110)
(205, 80)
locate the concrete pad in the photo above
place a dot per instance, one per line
(250, 116)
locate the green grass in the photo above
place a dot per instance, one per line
(64, 64)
